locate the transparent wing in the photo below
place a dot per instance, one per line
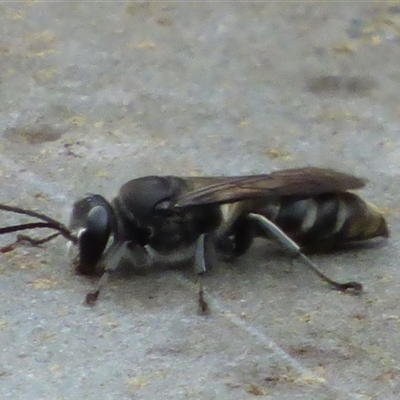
(290, 182)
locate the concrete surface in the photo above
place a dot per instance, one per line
(93, 94)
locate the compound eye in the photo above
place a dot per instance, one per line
(98, 222)
(82, 209)
(93, 240)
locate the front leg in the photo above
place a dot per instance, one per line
(137, 254)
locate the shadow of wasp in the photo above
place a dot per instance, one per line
(170, 218)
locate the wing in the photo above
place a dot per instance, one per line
(291, 182)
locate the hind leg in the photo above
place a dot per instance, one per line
(275, 233)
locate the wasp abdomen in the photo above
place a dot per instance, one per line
(364, 220)
(327, 220)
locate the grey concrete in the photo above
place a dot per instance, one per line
(93, 94)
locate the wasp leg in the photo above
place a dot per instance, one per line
(235, 242)
(199, 256)
(112, 261)
(274, 232)
(243, 238)
(200, 268)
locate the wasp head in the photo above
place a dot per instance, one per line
(93, 221)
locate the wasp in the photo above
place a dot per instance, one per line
(170, 218)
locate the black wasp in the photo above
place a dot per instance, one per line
(171, 217)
